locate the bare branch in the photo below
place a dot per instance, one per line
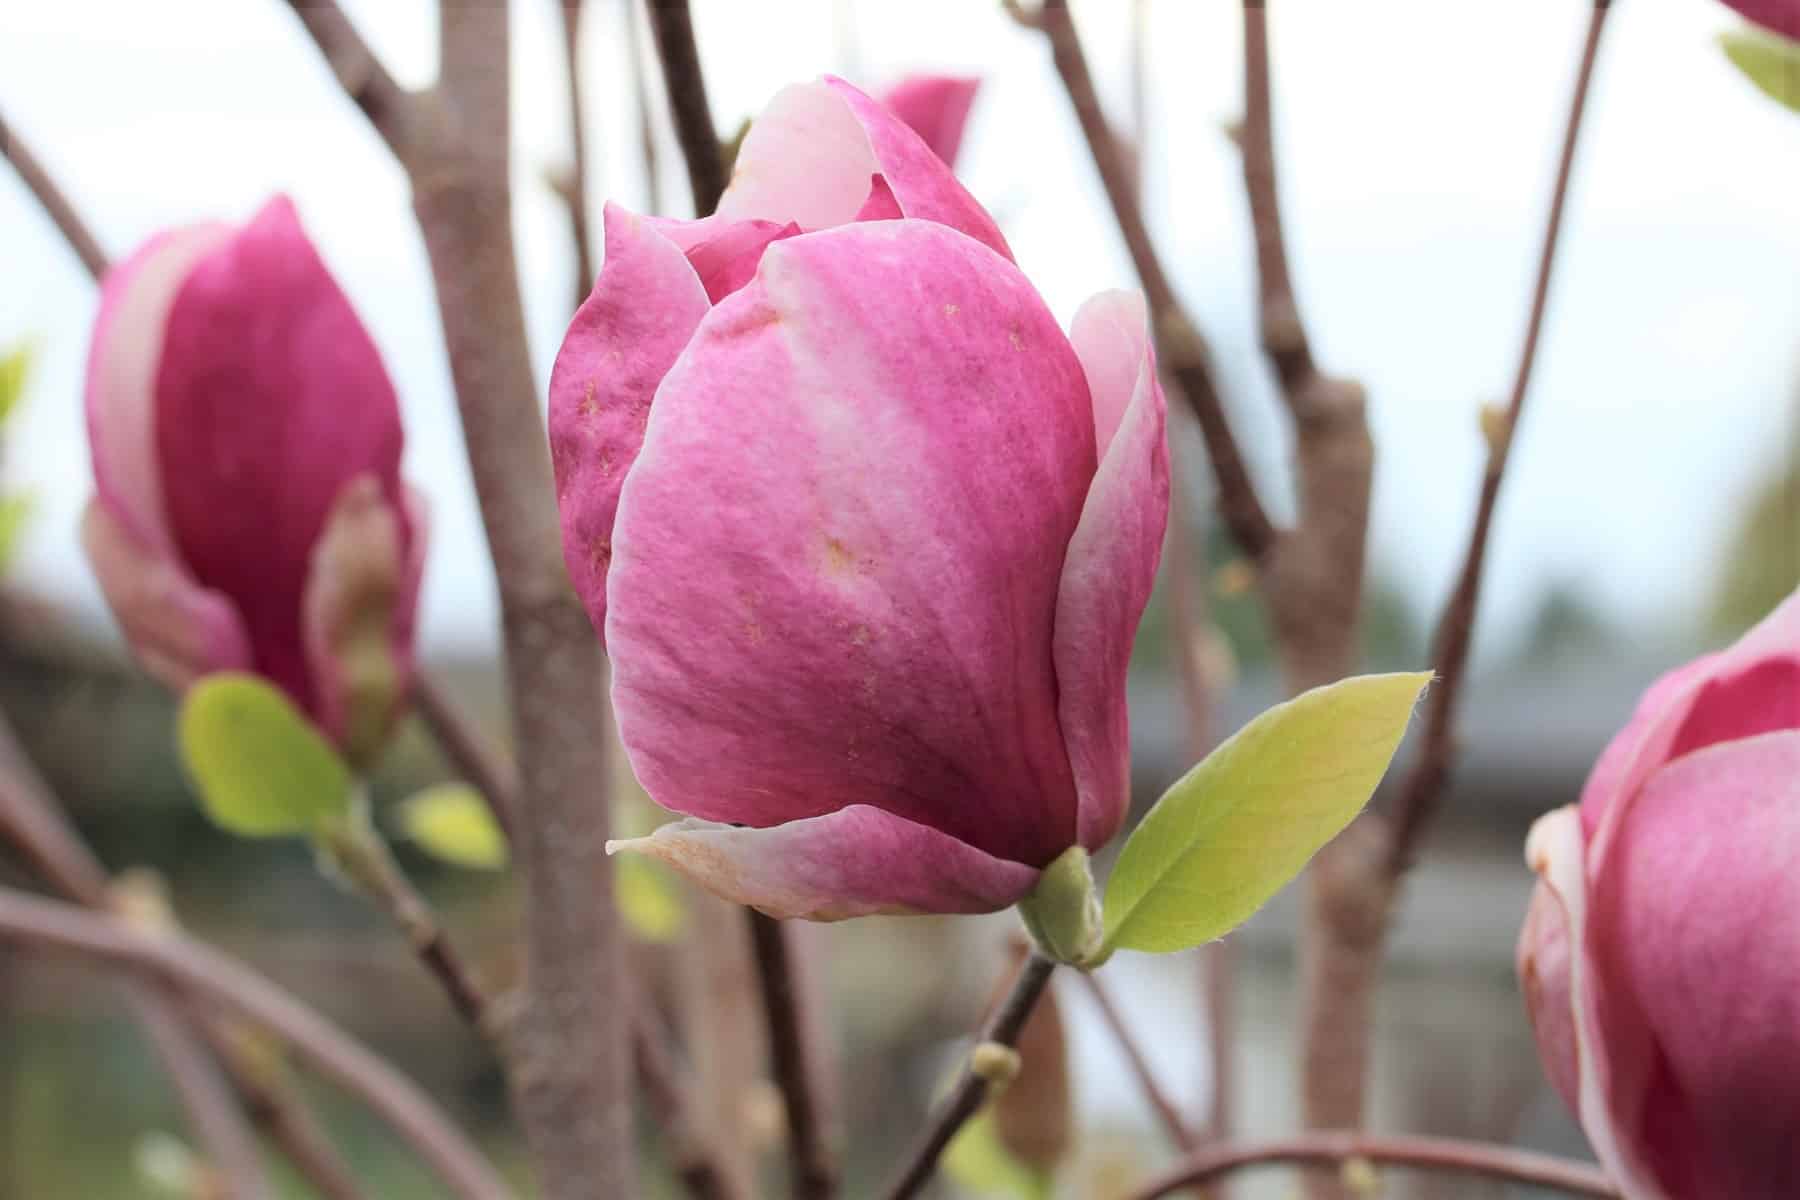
(1166, 1112)
(1331, 1149)
(693, 1160)
(673, 27)
(38, 182)
(1185, 355)
(177, 961)
(640, 90)
(577, 193)
(391, 109)
(477, 759)
(1423, 790)
(971, 1090)
(810, 1160)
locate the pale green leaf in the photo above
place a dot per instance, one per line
(648, 898)
(979, 1164)
(15, 370)
(1234, 830)
(451, 822)
(261, 768)
(16, 509)
(1772, 63)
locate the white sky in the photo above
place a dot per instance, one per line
(1416, 141)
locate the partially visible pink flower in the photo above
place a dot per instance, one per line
(1778, 16)
(1661, 956)
(867, 534)
(249, 513)
(937, 108)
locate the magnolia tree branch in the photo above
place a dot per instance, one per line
(1421, 794)
(673, 27)
(473, 756)
(575, 192)
(567, 1056)
(971, 1090)
(173, 959)
(640, 93)
(1333, 1149)
(51, 198)
(1166, 1111)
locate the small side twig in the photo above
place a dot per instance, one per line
(176, 960)
(695, 1162)
(640, 92)
(1002, 1028)
(39, 183)
(391, 109)
(673, 26)
(576, 193)
(1166, 1112)
(810, 1159)
(476, 757)
(1419, 796)
(1334, 1149)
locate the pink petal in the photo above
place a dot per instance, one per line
(855, 862)
(723, 252)
(1112, 559)
(881, 205)
(936, 107)
(837, 554)
(122, 366)
(178, 630)
(1543, 965)
(1781, 16)
(809, 156)
(1752, 687)
(270, 396)
(623, 339)
(1695, 930)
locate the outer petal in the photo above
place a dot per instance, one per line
(809, 156)
(1782, 16)
(723, 252)
(1544, 970)
(1112, 559)
(1695, 930)
(121, 378)
(622, 342)
(837, 553)
(1752, 687)
(936, 107)
(178, 630)
(855, 862)
(270, 396)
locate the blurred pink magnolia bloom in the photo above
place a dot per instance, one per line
(1661, 955)
(937, 108)
(867, 534)
(1778, 16)
(249, 513)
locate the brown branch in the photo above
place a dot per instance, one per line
(39, 183)
(476, 758)
(576, 194)
(971, 1090)
(185, 964)
(694, 1161)
(1334, 1149)
(1166, 1112)
(390, 108)
(1420, 796)
(640, 90)
(673, 27)
(810, 1161)
(1185, 356)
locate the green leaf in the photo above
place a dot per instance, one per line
(15, 370)
(261, 768)
(1771, 62)
(648, 898)
(16, 509)
(1234, 830)
(452, 822)
(978, 1163)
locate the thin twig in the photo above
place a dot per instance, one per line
(1002, 1028)
(1419, 797)
(673, 27)
(176, 960)
(693, 1160)
(1185, 356)
(1166, 1112)
(391, 109)
(640, 91)
(39, 183)
(576, 194)
(810, 1160)
(1333, 1149)
(476, 757)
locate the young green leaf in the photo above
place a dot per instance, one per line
(1772, 63)
(451, 822)
(261, 768)
(1234, 830)
(648, 898)
(978, 1163)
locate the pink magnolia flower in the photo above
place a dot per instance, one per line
(249, 513)
(1661, 955)
(1778, 16)
(867, 535)
(937, 108)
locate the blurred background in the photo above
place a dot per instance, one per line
(1653, 506)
